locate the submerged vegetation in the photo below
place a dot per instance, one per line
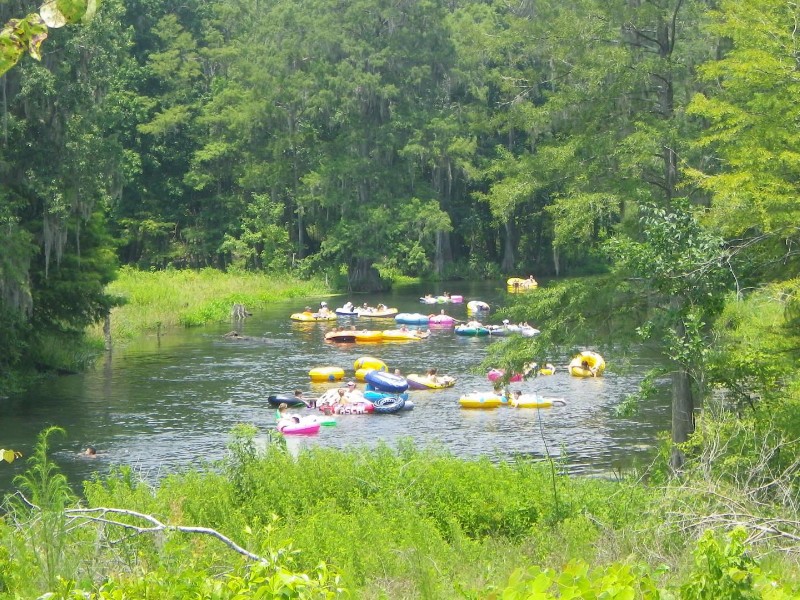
(404, 523)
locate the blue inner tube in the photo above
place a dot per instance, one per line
(411, 319)
(389, 404)
(464, 330)
(386, 382)
(373, 395)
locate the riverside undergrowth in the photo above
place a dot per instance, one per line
(375, 523)
(157, 300)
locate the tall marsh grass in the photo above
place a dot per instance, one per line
(158, 300)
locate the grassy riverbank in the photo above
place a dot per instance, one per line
(385, 524)
(158, 300)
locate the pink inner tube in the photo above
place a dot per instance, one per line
(442, 320)
(456, 298)
(496, 374)
(300, 428)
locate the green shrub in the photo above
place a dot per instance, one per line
(726, 571)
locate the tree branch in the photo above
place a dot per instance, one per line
(98, 515)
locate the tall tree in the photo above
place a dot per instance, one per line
(68, 171)
(612, 115)
(749, 162)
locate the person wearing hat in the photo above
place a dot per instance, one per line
(324, 311)
(506, 322)
(353, 395)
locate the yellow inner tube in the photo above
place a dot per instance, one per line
(307, 316)
(548, 369)
(326, 374)
(595, 365)
(361, 374)
(480, 401)
(368, 336)
(399, 334)
(531, 401)
(370, 363)
(443, 382)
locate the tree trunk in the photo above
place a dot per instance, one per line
(507, 264)
(556, 260)
(107, 331)
(301, 242)
(444, 253)
(682, 399)
(682, 416)
(363, 277)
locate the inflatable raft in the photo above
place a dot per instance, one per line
(495, 374)
(399, 335)
(374, 312)
(311, 317)
(367, 335)
(304, 427)
(412, 319)
(370, 363)
(326, 374)
(548, 369)
(441, 321)
(587, 364)
(341, 337)
(288, 399)
(388, 405)
(535, 401)
(477, 306)
(481, 400)
(471, 330)
(424, 382)
(386, 382)
(517, 284)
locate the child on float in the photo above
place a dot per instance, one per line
(283, 417)
(309, 402)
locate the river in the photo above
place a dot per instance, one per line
(165, 403)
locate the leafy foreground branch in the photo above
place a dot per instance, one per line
(26, 34)
(396, 523)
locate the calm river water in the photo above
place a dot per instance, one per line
(166, 403)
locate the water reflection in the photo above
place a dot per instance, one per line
(168, 403)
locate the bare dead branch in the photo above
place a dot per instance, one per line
(98, 515)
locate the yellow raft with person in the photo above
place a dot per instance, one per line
(310, 317)
(519, 400)
(518, 284)
(587, 364)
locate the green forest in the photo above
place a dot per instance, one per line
(642, 155)
(369, 140)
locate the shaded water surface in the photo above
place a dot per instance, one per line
(166, 403)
